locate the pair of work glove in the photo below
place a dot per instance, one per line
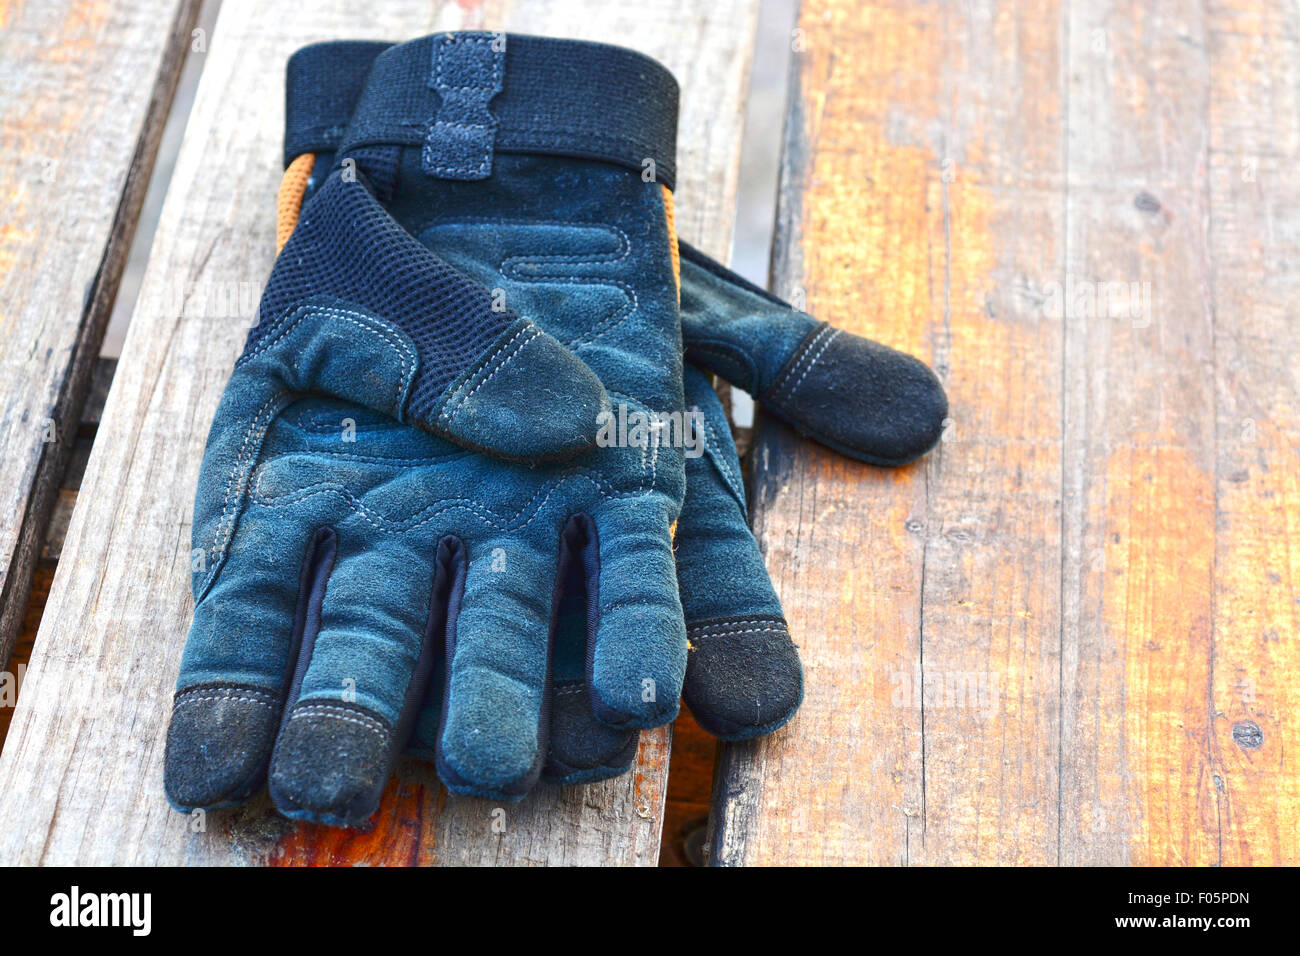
(441, 496)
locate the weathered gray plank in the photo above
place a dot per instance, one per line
(84, 90)
(80, 776)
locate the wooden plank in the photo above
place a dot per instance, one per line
(85, 86)
(1136, 778)
(919, 207)
(11, 679)
(80, 776)
(1254, 207)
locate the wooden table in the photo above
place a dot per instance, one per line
(1067, 636)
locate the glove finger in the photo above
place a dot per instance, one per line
(360, 674)
(493, 728)
(859, 397)
(637, 657)
(236, 666)
(743, 677)
(358, 309)
(582, 749)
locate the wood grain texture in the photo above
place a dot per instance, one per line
(85, 86)
(1136, 779)
(1254, 208)
(81, 772)
(56, 529)
(1069, 635)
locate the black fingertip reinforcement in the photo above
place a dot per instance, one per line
(743, 678)
(863, 399)
(584, 750)
(217, 745)
(331, 763)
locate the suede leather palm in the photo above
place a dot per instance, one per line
(351, 578)
(873, 403)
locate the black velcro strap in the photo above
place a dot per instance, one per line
(557, 97)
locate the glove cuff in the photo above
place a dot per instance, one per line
(322, 84)
(462, 97)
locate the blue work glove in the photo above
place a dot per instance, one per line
(346, 578)
(873, 403)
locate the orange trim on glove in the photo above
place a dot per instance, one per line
(671, 213)
(293, 186)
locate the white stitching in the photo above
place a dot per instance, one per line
(817, 358)
(226, 524)
(428, 155)
(511, 268)
(483, 513)
(485, 362)
(501, 361)
(720, 461)
(740, 620)
(789, 392)
(451, 41)
(804, 354)
(725, 625)
(182, 701)
(311, 709)
(405, 355)
(236, 688)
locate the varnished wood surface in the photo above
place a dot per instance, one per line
(80, 774)
(1070, 634)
